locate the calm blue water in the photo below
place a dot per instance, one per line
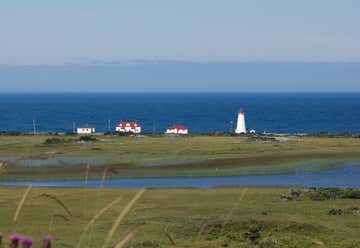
(200, 112)
(346, 176)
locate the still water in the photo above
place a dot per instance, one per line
(345, 176)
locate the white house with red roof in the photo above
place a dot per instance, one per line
(177, 129)
(128, 127)
(86, 129)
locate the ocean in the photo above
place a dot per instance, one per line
(265, 112)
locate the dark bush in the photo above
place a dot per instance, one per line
(87, 138)
(54, 141)
(261, 138)
(336, 211)
(334, 193)
(70, 133)
(53, 133)
(351, 194)
(349, 210)
(124, 134)
(109, 133)
(253, 234)
(10, 133)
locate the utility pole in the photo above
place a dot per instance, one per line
(109, 125)
(73, 126)
(231, 126)
(34, 126)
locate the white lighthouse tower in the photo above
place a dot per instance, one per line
(241, 127)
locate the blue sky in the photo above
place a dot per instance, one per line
(47, 36)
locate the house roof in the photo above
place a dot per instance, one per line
(86, 126)
(178, 127)
(132, 124)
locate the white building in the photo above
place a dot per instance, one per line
(177, 129)
(86, 129)
(128, 127)
(241, 127)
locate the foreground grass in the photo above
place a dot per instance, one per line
(216, 217)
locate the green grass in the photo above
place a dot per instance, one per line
(210, 155)
(216, 217)
(139, 149)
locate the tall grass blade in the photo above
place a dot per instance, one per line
(103, 178)
(21, 203)
(121, 217)
(99, 189)
(85, 190)
(124, 241)
(231, 212)
(227, 218)
(53, 217)
(96, 217)
(168, 235)
(87, 174)
(58, 201)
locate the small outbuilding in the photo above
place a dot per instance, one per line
(128, 127)
(177, 129)
(86, 129)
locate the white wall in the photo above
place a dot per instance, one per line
(85, 130)
(128, 130)
(177, 131)
(241, 127)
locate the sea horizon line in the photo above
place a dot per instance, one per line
(176, 93)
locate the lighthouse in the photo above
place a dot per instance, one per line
(241, 127)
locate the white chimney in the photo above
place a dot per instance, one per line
(241, 127)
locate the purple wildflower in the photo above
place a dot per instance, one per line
(14, 240)
(47, 241)
(26, 242)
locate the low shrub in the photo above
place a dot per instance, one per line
(87, 138)
(10, 133)
(54, 141)
(321, 194)
(336, 211)
(109, 133)
(347, 211)
(70, 133)
(253, 233)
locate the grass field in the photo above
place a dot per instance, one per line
(147, 148)
(218, 217)
(173, 156)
